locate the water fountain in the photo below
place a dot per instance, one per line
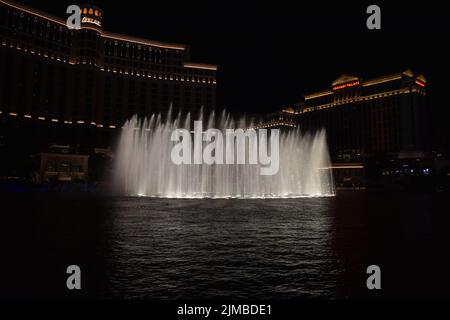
(144, 166)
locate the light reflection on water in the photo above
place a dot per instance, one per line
(222, 248)
(137, 247)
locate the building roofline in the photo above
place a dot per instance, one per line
(317, 94)
(105, 34)
(200, 66)
(364, 83)
(143, 41)
(382, 79)
(57, 154)
(34, 11)
(344, 78)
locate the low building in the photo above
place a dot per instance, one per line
(61, 164)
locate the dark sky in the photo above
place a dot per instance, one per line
(270, 53)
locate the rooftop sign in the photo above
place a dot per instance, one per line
(346, 85)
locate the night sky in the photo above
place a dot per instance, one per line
(270, 54)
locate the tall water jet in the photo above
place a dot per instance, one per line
(144, 166)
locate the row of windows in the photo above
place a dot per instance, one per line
(56, 41)
(36, 27)
(142, 65)
(355, 92)
(54, 55)
(155, 90)
(374, 97)
(372, 127)
(55, 97)
(143, 53)
(160, 72)
(115, 115)
(159, 75)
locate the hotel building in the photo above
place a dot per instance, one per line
(89, 76)
(365, 117)
(377, 129)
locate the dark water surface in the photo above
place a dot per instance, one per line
(223, 248)
(150, 248)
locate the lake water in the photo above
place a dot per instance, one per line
(150, 248)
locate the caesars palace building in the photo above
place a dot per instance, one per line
(387, 115)
(90, 77)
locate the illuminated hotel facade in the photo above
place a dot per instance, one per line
(90, 77)
(387, 115)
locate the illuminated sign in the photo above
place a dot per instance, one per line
(420, 83)
(346, 85)
(91, 20)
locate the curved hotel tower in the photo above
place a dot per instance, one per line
(91, 77)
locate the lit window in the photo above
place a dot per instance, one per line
(91, 11)
(85, 11)
(96, 13)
